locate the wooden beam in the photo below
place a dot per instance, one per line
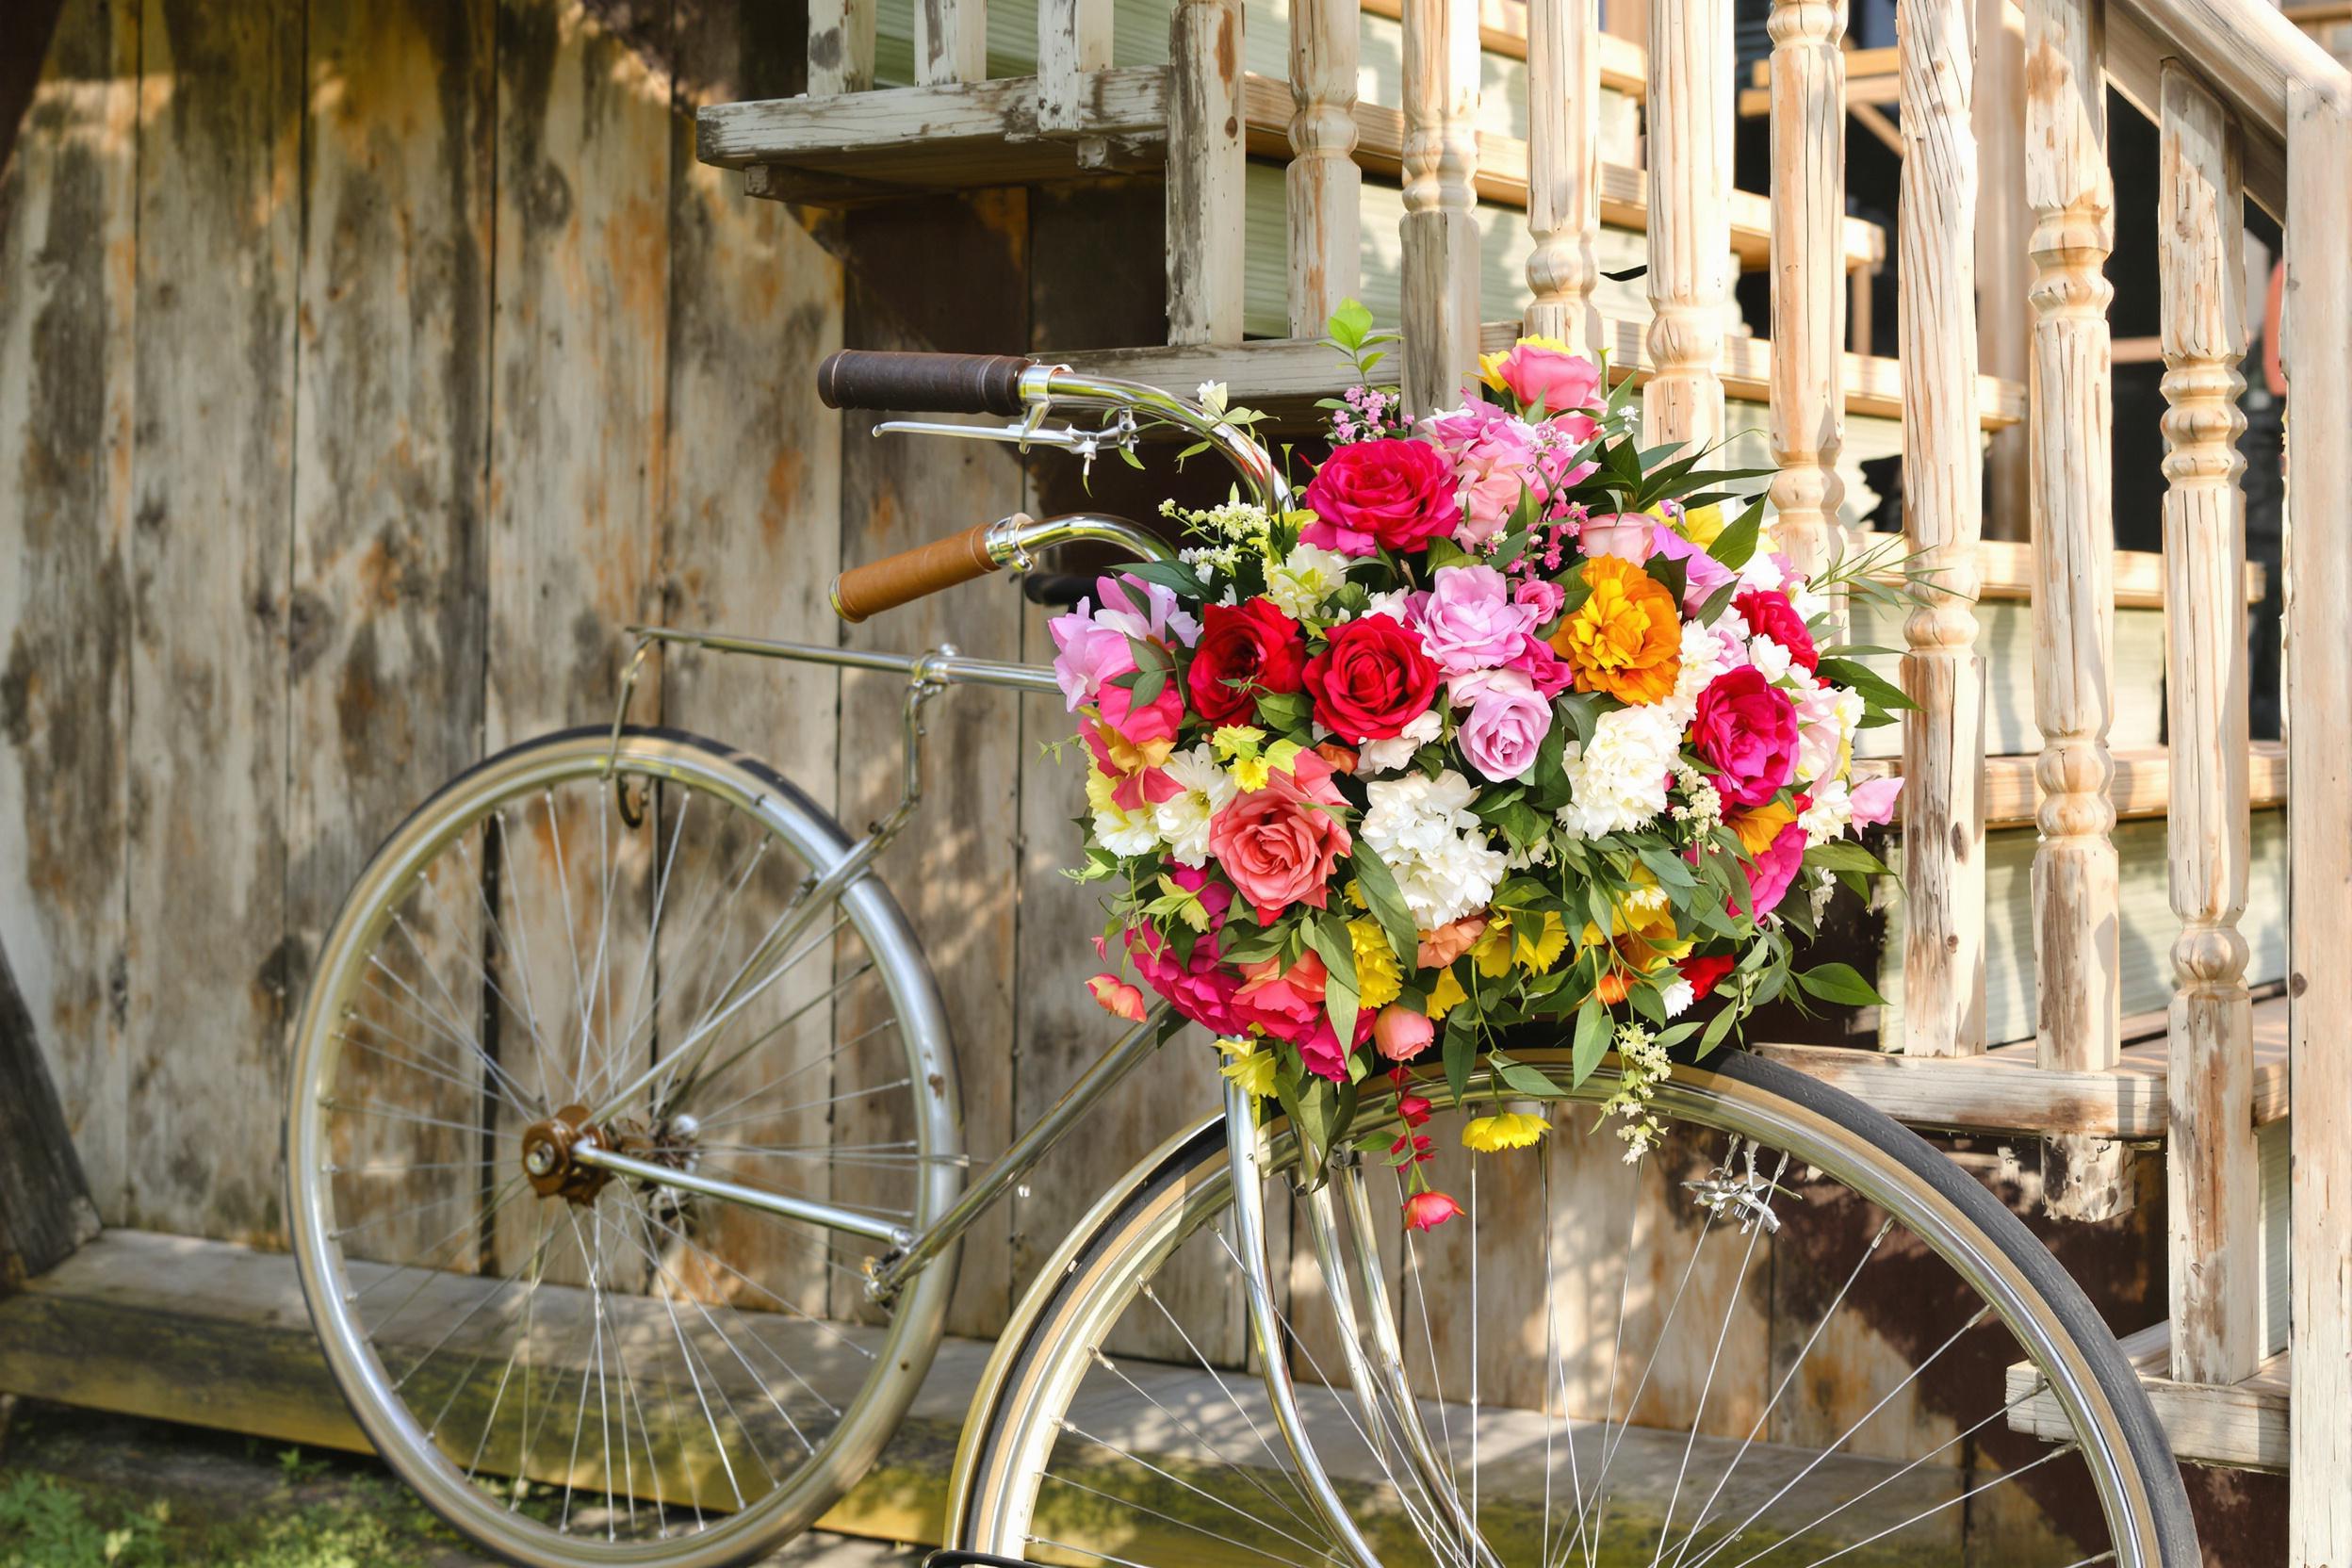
(1504, 28)
(1438, 233)
(1688, 120)
(2242, 1425)
(45, 1211)
(1808, 297)
(1323, 186)
(952, 135)
(1207, 167)
(2143, 787)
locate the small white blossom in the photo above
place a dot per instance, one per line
(1424, 829)
(1675, 996)
(1306, 578)
(1769, 656)
(1120, 831)
(1828, 816)
(1182, 819)
(1704, 658)
(1380, 757)
(1703, 804)
(1619, 781)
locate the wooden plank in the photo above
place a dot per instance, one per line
(2071, 440)
(841, 47)
(947, 275)
(1944, 852)
(2318, 340)
(1563, 170)
(1205, 168)
(1073, 41)
(2003, 1090)
(68, 244)
(1299, 370)
(2004, 272)
(208, 974)
(1323, 186)
(45, 1211)
(951, 41)
(922, 134)
(2213, 1172)
(2143, 783)
(2241, 1424)
(1689, 153)
(1809, 137)
(1439, 317)
(1507, 28)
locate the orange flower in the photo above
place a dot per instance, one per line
(1626, 638)
(1759, 826)
(1613, 986)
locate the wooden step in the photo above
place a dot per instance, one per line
(898, 141)
(2002, 1091)
(1286, 375)
(2242, 1426)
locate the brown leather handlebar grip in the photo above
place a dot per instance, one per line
(904, 578)
(922, 383)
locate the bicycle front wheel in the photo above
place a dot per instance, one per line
(1792, 1334)
(632, 946)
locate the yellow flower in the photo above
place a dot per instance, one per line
(1233, 740)
(1251, 774)
(1354, 892)
(1626, 638)
(1759, 826)
(1251, 1069)
(1444, 995)
(1491, 951)
(1509, 1130)
(1702, 526)
(1491, 365)
(1378, 980)
(1539, 952)
(1130, 758)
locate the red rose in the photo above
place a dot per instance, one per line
(1372, 680)
(1769, 613)
(1746, 730)
(1703, 969)
(1244, 649)
(1393, 494)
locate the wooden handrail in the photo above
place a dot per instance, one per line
(2247, 53)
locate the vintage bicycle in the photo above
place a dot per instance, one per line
(627, 1184)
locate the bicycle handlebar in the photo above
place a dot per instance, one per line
(923, 383)
(904, 578)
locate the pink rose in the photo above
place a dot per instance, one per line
(1278, 843)
(1201, 986)
(1542, 596)
(1506, 725)
(1469, 622)
(1771, 873)
(1400, 1034)
(1495, 461)
(1544, 669)
(1285, 1003)
(1380, 495)
(1746, 729)
(1561, 382)
(1623, 534)
(1769, 613)
(1139, 726)
(1874, 801)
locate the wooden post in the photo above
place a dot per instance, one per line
(2079, 1013)
(1325, 186)
(1689, 277)
(2318, 354)
(2004, 270)
(1073, 41)
(950, 40)
(1943, 748)
(1440, 230)
(1563, 169)
(45, 1211)
(2211, 1162)
(1808, 274)
(841, 47)
(1205, 170)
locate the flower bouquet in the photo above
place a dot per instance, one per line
(1509, 725)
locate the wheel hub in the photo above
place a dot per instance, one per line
(548, 1157)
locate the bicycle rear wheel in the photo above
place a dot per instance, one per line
(576, 1368)
(1783, 1338)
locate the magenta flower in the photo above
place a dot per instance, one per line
(1746, 729)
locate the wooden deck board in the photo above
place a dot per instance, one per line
(2002, 1091)
(2242, 1426)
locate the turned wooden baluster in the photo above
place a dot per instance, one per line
(1440, 230)
(2318, 354)
(1563, 169)
(2076, 901)
(1073, 41)
(1690, 188)
(1206, 166)
(2211, 1162)
(1325, 186)
(841, 46)
(1943, 747)
(951, 41)
(1808, 274)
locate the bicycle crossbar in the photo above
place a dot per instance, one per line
(831, 1216)
(952, 669)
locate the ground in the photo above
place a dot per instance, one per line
(80, 1490)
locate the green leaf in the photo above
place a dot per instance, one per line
(1444, 552)
(1875, 688)
(1841, 983)
(1387, 902)
(1282, 711)
(1174, 576)
(1462, 1047)
(1592, 1037)
(1737, 543)
(1717, 1027)
(1522, 1079)
(1327, 934)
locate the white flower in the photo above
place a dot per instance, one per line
(1378, 756)
(1619, 781)
(1810, 606)
(1762, 572)
(1828, 816)
(1306, 578)
(1769, 656)
(1675, 996)
(1704, 658)
(1424, 829)
(1120, 832)
(1392, 604)
(1824, 888)
(1182, 819)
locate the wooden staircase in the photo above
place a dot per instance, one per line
(2088, 917)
